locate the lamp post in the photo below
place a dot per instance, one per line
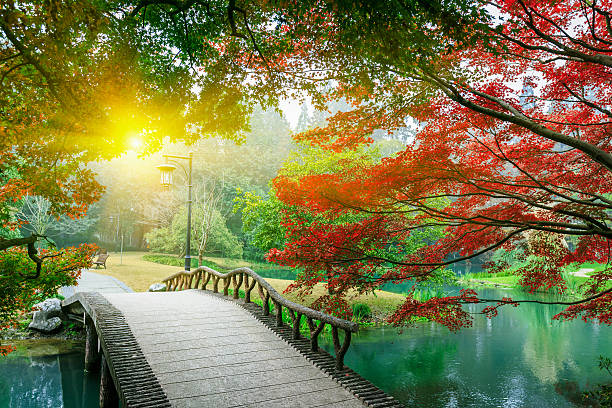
(166, 170)
(119, 229)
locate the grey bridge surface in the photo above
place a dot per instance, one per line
(209, 352)
(195, 348)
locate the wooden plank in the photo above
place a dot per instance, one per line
(236, 358)
(252, 396)
(204, 373)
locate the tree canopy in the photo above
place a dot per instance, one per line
(510, 97)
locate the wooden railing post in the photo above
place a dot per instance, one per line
(340, 350)
(248, 288)
(315, 330)
(265, 299)
(226, 283)
(296, 320)
(190, 281)
(92, 353)
(108, 393)
(237, 282)
(205, 280)
(279, 313)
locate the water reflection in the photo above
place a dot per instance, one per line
(47, 373)
(520, 359)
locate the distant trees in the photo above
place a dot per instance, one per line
(219, 241)
(36, 216)
(220, 170)
(205, 197)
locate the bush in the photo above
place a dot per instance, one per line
(361, 311)
(20, 289)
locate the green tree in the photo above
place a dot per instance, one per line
(172, 239)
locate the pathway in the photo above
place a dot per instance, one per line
(583, 272)
(95, 282)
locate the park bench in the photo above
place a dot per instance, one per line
(101, 260)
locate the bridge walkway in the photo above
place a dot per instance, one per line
(207, 351)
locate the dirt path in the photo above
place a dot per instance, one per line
(583, 272)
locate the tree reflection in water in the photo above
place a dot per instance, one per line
(47, 375)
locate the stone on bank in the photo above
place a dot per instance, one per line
(47, 316)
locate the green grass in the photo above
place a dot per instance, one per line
(487, 275)
(226, 264)
(587, 265)
(425, 294)
(504, 278)
(174, 261)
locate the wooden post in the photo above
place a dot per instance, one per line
(108, 393)
(279, 314)
(92, 354)
(340, 350)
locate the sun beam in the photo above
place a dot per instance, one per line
(135, 143)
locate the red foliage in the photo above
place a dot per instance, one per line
(446, 311)
(515, 137)
(599, 309)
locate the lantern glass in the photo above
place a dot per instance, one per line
(166, 174)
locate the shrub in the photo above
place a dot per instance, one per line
(20, 288)
(361, 311)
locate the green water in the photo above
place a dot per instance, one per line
(47, 373)
(519, 359)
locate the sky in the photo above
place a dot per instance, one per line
(291, 111)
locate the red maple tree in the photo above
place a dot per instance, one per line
(514, 146)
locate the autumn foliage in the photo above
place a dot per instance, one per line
(19, 291)
(513, 150)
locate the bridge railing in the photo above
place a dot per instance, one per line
(245, 278)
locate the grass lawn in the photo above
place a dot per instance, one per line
(139, 274)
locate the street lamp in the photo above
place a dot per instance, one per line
(117, 217)
(166, 170)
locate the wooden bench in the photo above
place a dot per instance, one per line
(101, 261)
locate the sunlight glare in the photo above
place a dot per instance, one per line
(135, 143)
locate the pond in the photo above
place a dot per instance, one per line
(521, 358)
(47, 373)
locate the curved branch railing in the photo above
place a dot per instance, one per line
(202, 276)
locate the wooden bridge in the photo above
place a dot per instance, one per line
(193, 347)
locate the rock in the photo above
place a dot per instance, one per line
(51, 307)
(46, 325)
(157, 287)
(46, 317)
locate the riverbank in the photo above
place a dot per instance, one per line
(575, 277)
(69, 331)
